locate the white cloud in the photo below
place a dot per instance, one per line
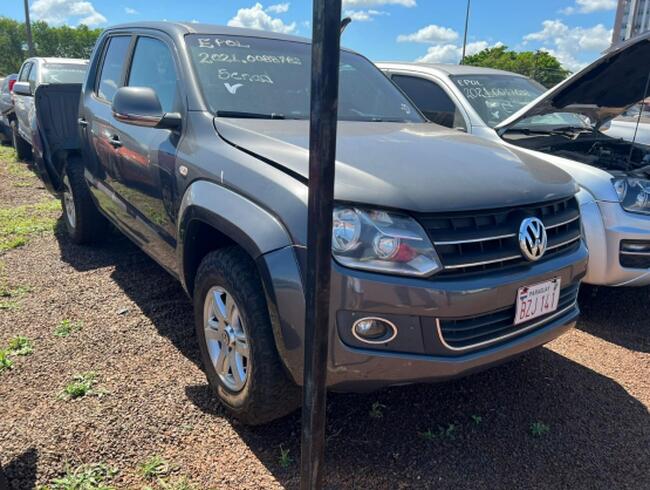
(130, 11)
(589, 6)
(363, 15)
(375, 3)
(279, 8)
(451, 53)
(256, 17)
(567, 43)
(431, 34)
(64, 11)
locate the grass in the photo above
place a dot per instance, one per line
(477, 419)
(154, 467)
(181, 483)
(20, 346)
(81, 385)
(377, 410)
(67, 327)
(448, 432)
(22, 176)
(19, 224)
(539, 429)
(5, 362)
(85, 477)
(285, 460)
(9, 297)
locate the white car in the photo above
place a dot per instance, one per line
(562, 125)
(33, 73)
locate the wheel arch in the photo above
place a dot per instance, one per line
(212, 216)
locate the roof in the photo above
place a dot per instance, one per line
(443, 68)
(182, 28)
(75, 61)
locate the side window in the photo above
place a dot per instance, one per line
(24, 72)
(110, 78)
(153, 67)
(31, 78)
(432, 100)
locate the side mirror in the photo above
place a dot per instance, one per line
(23, 88)
(140, 106)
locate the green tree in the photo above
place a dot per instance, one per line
(63, 41)
(538, 65)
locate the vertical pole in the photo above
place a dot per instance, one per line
(322, 154)
(462, 60)
(28, 30)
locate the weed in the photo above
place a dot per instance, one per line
(428, 435)
(178, 484)
(85, 477)
(154, 467)
(20, 346)
(285, 460)
(477, 419)
(19, 224)
(81, 385)
(377, 410)
(539, 429)
(5, 362)
(9, 296)
(67, 327)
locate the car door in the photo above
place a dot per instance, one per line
(137, 164)
(432, 100)
(21, 102)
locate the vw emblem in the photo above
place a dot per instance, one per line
(532, 239)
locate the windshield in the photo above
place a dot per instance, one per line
(497, 97)
(258, 77)
(64, 73)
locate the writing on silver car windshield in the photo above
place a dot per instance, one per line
(257, 77)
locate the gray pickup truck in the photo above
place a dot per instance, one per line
(450, 254)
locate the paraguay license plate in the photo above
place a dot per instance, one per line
(537, 300)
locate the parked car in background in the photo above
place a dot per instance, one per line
(34, 73)
(450, 253)
(565, 125)
(633, 125)
(6, 107)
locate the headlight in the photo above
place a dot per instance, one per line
(382, 241)
(633, 193)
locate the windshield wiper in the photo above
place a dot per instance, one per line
(250, 115)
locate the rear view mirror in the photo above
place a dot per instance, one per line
(140, 106)
(23, 88)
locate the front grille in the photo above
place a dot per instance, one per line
(473, 332)
(483, 241)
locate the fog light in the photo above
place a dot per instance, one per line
(374, 330)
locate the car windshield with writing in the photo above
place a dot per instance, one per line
(271, 78)
(497, 97)
(64, 72)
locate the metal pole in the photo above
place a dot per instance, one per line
(322, 154)
(462, 60)
(28, 29)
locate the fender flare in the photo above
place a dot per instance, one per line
(247, 224)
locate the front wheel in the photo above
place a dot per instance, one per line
(23, 149)
(83, 221)
(236, 339)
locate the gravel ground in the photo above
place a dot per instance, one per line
(589, 392)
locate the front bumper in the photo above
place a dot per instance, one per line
(417, 354)
(606, 225)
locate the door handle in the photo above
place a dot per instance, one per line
(115, 142)
(82, 122)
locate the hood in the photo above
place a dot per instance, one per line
(417, 167)
(602, 91)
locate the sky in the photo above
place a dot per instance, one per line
(576, 31)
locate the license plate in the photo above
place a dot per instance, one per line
(537, 300)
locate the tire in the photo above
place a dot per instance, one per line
(267, 392)
(23, 149)
(84, 223)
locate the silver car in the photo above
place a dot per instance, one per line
(567, 126)
(33, 73)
